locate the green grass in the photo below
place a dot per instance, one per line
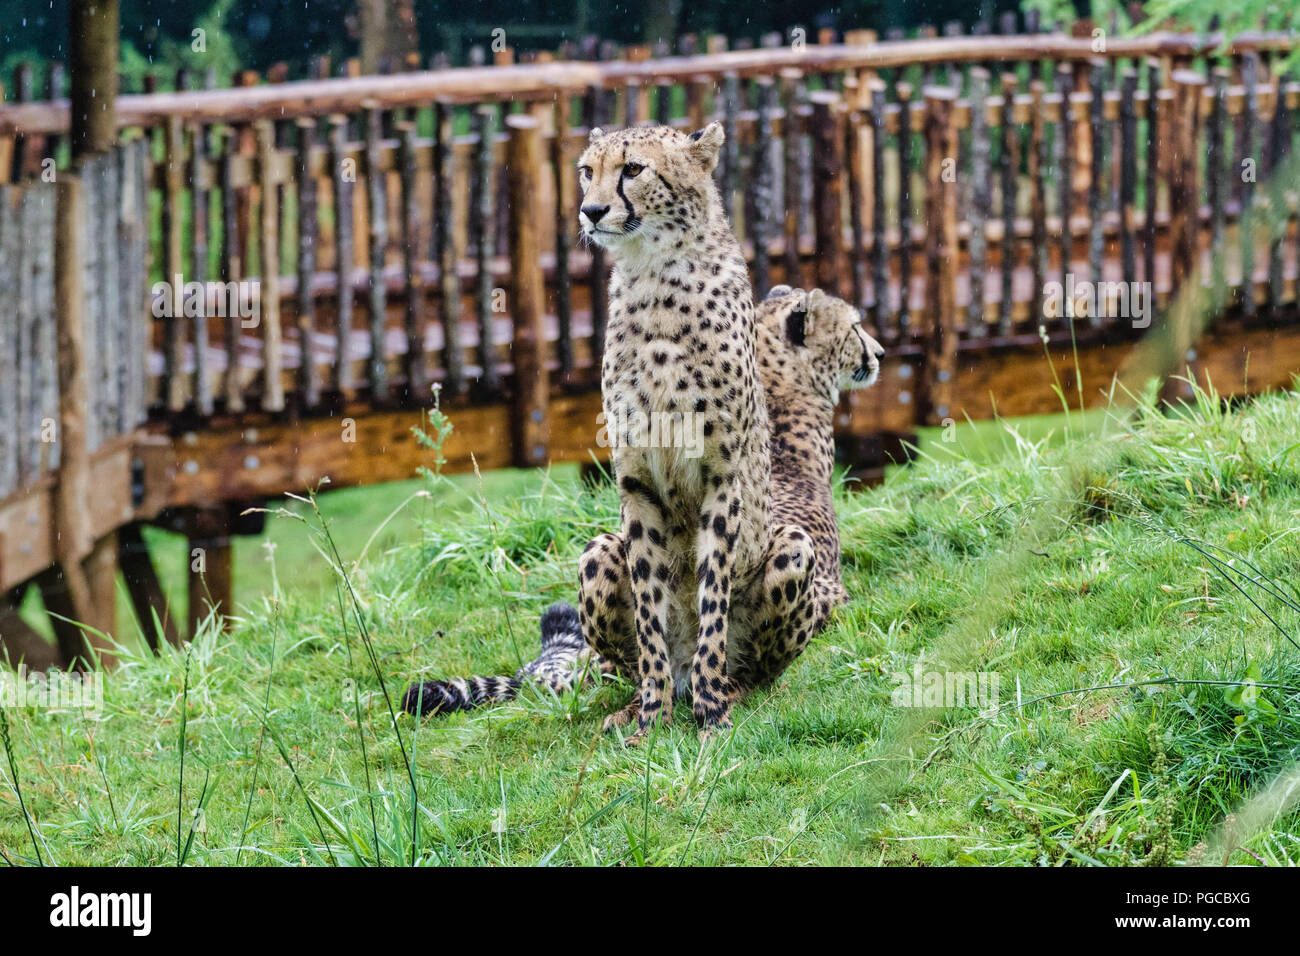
(1059, 562)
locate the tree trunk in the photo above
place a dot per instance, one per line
(387, 33)
(92, 68)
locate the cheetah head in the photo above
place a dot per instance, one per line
(826, 334)
(646, 184)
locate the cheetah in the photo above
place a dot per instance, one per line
(810, 348)
(681, 341)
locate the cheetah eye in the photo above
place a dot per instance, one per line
(584, 172)
(630, 170)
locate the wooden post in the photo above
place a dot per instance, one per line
(269, 246)
(308, 219)
(855, 161)
(879, 240)
(565, 186)
(377, 230)
(1128, 174)
(1038, 252)
(764, 189)
(174, 266)
(792, 186)
(527, 294)
(1185, 201)
(1279, 147)
(1216, 169)
(483, 234)
(74, 539)
(415, 370)
(1249, 151)
(903, 92)
(1064, 150)
(941, 251)
(453, 361)
(344, 179)
(1152, 173)
(200, 150)
(1009, 170)
(828, 190)
(981, 197)
(1099, 149)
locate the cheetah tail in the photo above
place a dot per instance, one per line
(460, 693)
(556, 666)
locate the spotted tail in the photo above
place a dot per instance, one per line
(563, 659)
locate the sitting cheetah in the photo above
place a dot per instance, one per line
(681, 341)
(810, 347)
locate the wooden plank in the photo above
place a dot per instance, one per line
(527, 293)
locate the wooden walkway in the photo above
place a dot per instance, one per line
(442, 204)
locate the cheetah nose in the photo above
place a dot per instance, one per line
(594, 213)
(880, 353)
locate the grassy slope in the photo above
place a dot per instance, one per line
(979, 560)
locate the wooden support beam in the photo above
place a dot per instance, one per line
(144, 588)
(210, 579)
(20, 643)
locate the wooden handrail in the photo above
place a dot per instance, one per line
(543, 80)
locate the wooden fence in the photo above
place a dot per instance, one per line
(340, 246)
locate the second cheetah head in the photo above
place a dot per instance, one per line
(827, 339)
(647, 184)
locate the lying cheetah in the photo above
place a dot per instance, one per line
(810, 347)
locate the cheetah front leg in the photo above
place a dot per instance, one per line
(605, 609)
(715, 546)
(645, 535)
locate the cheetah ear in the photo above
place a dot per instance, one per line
(595, 134)
(705, 145)
(777, 291)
